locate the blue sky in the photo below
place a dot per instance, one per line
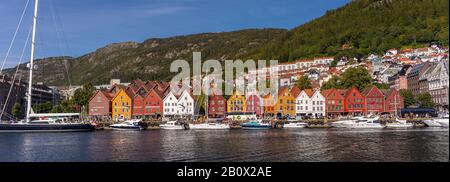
(77, 27)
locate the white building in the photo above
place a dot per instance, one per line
(303, 103)
(185, 104)
(438, 85)
(317, 104)
(170, 105)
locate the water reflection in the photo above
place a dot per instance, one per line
(229, 145)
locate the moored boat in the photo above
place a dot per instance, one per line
(371, 123)
(173, 125)
(255, 124)
(295, 125)
(45, 125)
(209, 126)
(134, 124)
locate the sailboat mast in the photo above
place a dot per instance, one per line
(30, 80)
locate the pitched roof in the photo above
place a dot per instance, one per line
(295, 91)
(309, 92)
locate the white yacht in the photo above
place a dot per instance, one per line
(437, 122)
(443, 121)
(209, 126)
(295, 125)
(399, 124)
(172, 125)
(134, 124)
(364, 124)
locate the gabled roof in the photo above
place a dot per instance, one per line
(295, 91)
(309, 92)
(283, 90)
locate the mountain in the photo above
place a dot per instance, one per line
(362, 27)
(355, 30)
(150, 59)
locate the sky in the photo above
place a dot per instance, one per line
(74, 28)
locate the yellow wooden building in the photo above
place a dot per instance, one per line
(121, 105)
(285, 103)
(237, 103)
(269, 105)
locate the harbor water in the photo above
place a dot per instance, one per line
(275, 145)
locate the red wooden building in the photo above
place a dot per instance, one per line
(393, 101)
(100, 104)
(254, 104)
(374, 100)
(334, 102)
(154, 99)
(354, 102)
(217, 106)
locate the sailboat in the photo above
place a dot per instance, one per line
(209, 125)
(45, 122)
(398, 122)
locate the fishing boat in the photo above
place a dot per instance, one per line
(255, 124)
(295, 125)
(173, 125)
(45, 122)
(134, 124)
(399, 124)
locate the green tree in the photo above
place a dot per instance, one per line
(43, 107)
(82, 95)
(304, 83)
(356, 77)
(425, 100)
(408, 97)
(16, 110)
(333, 82)
(381, 85)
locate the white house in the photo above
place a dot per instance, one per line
(303, 103)
(185, 104)
(317, 104)
(170, 105)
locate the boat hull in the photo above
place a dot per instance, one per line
(209, 127)
(45, 127)
(126, 128)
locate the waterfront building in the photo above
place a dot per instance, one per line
(236, 103)
(154, 101)
(170, 106)
(354, 102)
(121, 103)
(216, 106)
(304, 103)
(186, 104)
(269, 105)
(393, 101)
(317, 104)
(254, 104)
(374, 100)
(100, 105)
(334, 105)
(138, 110)
(285, 105)
(438, 84)
(414, 75)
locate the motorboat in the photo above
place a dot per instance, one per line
(295, 125)
(399, 124)
(209, 126)
(345, 122)
(432, 123)
(255, 124)
(370, 123)
(134, 124)
(443, 121)
(173, 125)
